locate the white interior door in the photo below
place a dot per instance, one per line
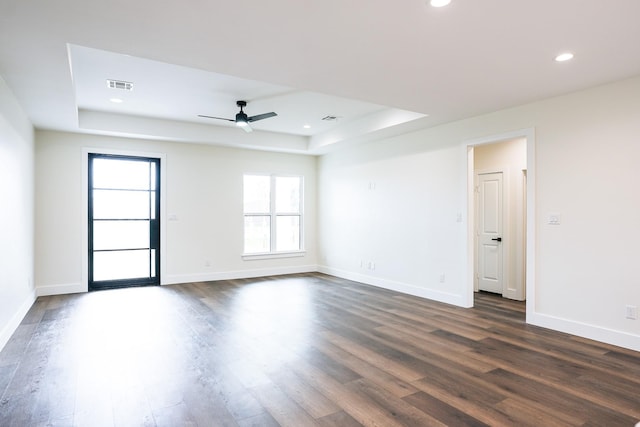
(490, 231)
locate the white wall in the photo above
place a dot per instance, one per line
(16, 216)
(203, 190)
(398, 209)
(587, 154)
(510, 157)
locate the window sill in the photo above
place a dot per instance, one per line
(272, 255)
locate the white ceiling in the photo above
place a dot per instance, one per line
(383, 67)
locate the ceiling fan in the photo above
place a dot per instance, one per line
(242, 120)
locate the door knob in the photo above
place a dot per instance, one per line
(498, 239)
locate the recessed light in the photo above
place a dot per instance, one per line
(307, 126)
(564, 57)
(115, 100)
(439, 3)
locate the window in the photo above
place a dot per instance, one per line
(272, 214)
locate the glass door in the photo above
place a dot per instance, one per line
(124, 221)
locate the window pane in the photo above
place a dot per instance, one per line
(117, 265)
(152, 204)
(257, 194)
(114, 204)
(120, 235)
(257, 234)
(120, 174)
(153, 177)
(153, 263)
(288, 233)
(288, 194)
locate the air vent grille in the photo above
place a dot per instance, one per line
(330, 118)
(119, 84)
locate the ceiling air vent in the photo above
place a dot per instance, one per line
(330, 118)
(119, 84)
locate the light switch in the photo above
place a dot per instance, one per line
(554, 219)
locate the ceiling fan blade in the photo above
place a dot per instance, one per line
(261, 116)
(218, 118)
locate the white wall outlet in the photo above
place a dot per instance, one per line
(631, 312)
(372, 265)
(207, 263)
(442, 278)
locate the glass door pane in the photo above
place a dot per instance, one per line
(120, 265)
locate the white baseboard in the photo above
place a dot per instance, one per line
(73, 288)
(404, 288)
(584, 330)
(240, 274)
(13, 324)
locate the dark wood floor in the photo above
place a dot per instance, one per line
(303, 350)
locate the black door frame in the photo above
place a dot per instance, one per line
(154, 227)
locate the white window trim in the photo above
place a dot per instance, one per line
(273, 218)
(271, 255)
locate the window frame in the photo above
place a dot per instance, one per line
(273, 218)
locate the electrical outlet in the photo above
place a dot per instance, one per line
(631, 312)
(442, 278)
(372, 265)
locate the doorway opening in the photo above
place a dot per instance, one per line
(500, 176)
(123, 221)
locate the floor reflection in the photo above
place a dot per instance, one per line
(270, 322)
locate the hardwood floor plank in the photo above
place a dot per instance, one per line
(303, 394)
(6, 376)
(206, 407)
(262, 420)
(401, 411)
(391, 383)
(525, 415)
(373, 357)
(569, 377)
(475, 406)
(131, 408)
(171, 416)
(552, 397)
(283, 409)
(469, 389)
(364, 410)
(563, 349)
(339, 419)
(335, 368)
(415, 347)
(442, 411)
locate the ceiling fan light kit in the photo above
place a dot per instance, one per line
(242, 120)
